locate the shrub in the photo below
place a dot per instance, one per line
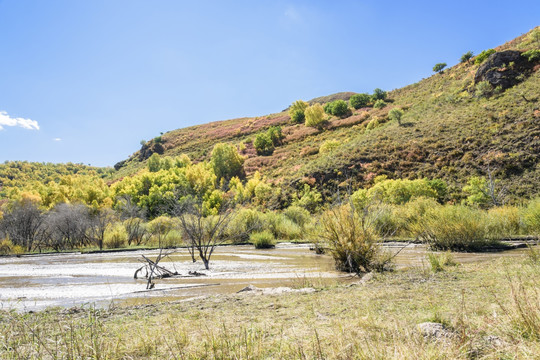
(338, 108)
(439, 261)
(483, 56)
(297, 116)
(263, 144)
(296, 111)
(358, 101)
(351, 240)
(282, 227)
(154, 163)
(456, 228)
(328, 146)
(315, 116)
(262, 240)
(308, 198)
(483, 89)
(115, 238)
(396, 114)
(226, 161)
(7, 247)
(532, 55)
(298, 215)
(531, 217)
(466, 57)
(379, 104)
(276, 135)
(379, 94)
(503, 222)
(244, 223)
(439, 67)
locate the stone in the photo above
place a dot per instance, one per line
(434, 330)
(498, 70)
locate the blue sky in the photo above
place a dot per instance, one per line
(85, 81)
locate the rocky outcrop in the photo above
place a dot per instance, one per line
(504, 69)
(149, 148)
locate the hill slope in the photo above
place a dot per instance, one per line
(451, 129)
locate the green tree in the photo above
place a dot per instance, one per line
(379, 94)
(315, 115)
(379, 104)
(467, 56)
(296, 111)
(358, 101)
(439, 67)
(396, 114)
(154, 163)
(339, 108)
(226, 161)
(263, 144)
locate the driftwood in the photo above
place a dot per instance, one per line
(153, 270)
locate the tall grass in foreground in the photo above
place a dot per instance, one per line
(352, 239)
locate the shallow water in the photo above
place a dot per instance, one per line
(36, 282)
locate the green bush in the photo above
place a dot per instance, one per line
(282, 227)
(263, 144)
(296, 111)
(379, 104)
(352, 240)
(439, 261)
(115, 238)
(531, 217)
(483, 56)
(276, 135)
(483, 89)
(532, 55)
(244, 223)
(395, 115)
(339, 108)
(503, 222)
(358, 101)
(315, 116)
(262, 240)
(456, 228)
(298, 215)
(297, 116)
(328, 146)
(379, 94)
(226, 161)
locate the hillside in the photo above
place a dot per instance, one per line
(448, 131)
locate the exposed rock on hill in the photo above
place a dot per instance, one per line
(504, 69)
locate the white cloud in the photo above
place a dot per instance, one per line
(6, 120)
(57, 139)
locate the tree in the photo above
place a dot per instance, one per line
(99, 220)
(396, 114)
(204, 233)
(466, 57)
(226, 162)
(24, 224)
(439, 67)
(68, 226)
(154, 163)
(315, 116)
(379, 94)
(296, 111)
(263, 144)
(339, 108)
(358, 101)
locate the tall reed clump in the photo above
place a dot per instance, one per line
(115, 237)
(263, 240)
(503, 222)
(531, 217)
(351, 237)
(456, 228)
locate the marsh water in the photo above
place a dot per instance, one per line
(37, 281)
